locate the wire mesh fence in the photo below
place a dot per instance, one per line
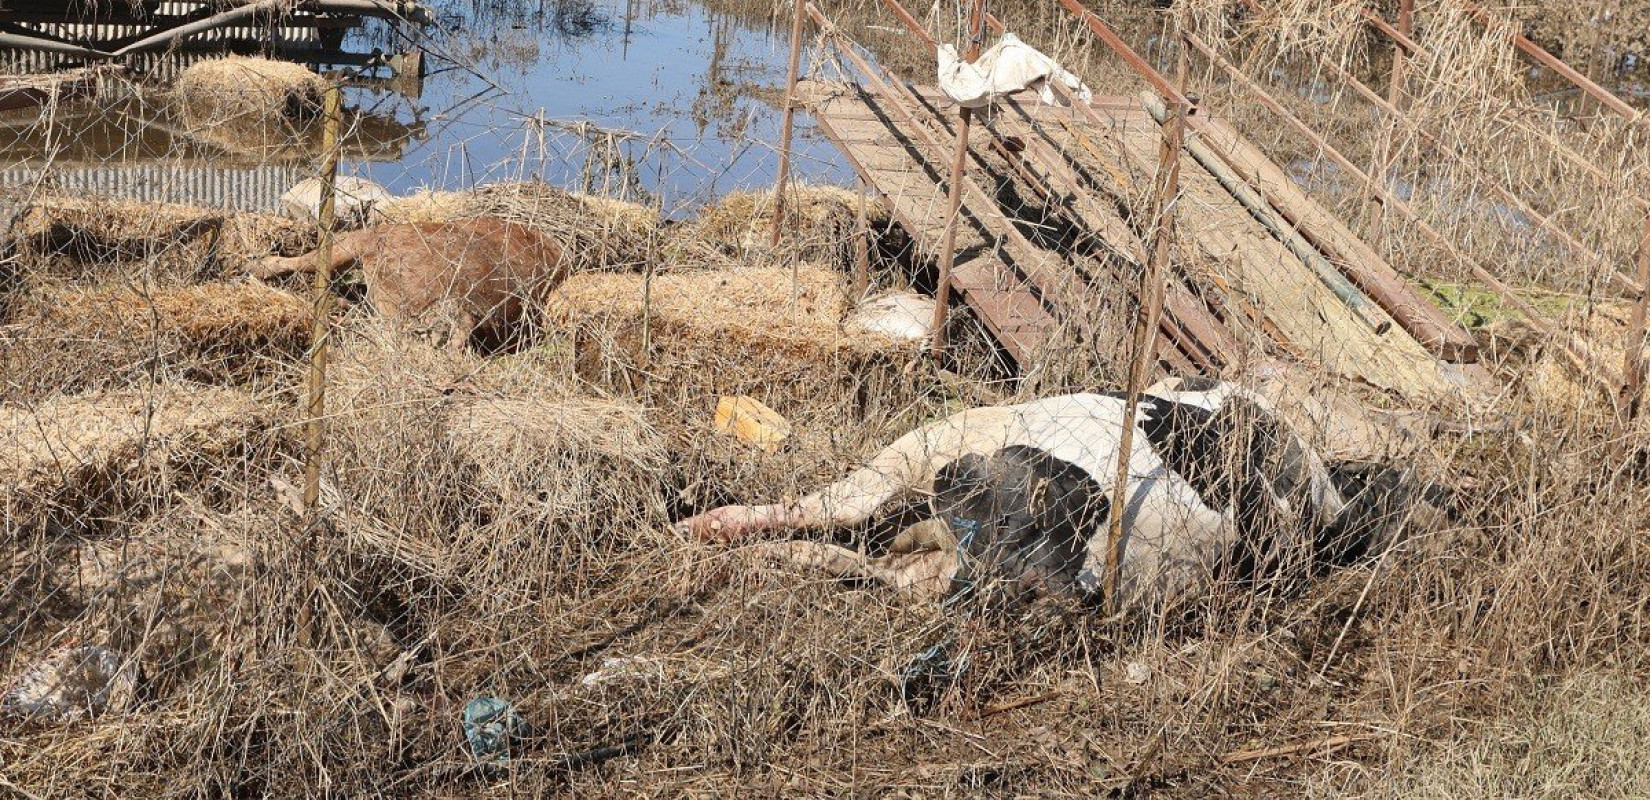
(565, 360)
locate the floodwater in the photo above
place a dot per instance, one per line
(661, 101)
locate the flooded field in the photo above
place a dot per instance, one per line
(662, 97)
(659, 102)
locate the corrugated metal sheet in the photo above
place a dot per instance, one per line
(231, 189)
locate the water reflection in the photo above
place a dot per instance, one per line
(665, 99)
(660, 101)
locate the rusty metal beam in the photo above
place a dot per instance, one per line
(1541, 220)
(1141, 67)
(1604, 96)
(1403, 41)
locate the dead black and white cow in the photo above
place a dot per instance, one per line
(1019, 497)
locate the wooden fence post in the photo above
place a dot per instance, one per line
(1167, 189)
(786, 129)
(321, 334)
(1632, 368)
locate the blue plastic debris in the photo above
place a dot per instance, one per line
(491, 725)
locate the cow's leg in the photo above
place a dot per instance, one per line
(344, 251)
(905, 466)
(924, 574)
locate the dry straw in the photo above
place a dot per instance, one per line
(252, 105)
(502, 529)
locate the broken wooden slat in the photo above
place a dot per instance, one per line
(1429, 325)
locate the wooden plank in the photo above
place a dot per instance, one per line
(1045, 270)
(1009, 309)
(1368, 269)
(1189, 325)
(1285, 291)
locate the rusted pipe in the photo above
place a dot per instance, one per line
(1406, 27)
(1146, 322)
(911, 22)
(1403, 41)
(1541, 220)
(1129, 56)
(1381, 158)
(1604, 96)
(862, 245)
(953, 193)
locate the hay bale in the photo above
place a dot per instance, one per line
(251, 104)
(174, 239)
(716, 332)
(79, 338)
(819, 221)
(114, 449)
(202, 320)
(600, 232)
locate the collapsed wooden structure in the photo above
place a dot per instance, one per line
(1256, 260)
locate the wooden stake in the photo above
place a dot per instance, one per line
(862, 246)
(953, 193)
(785, 131)
(1632, 368)
(1147, 321)
(1383, 155)
(315, 427)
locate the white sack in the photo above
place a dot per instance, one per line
(1009, 66)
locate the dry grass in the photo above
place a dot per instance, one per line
(501, 527)
(733, 331)
(1582, 736)
(818, 224)
(120, 335)
(66, 455)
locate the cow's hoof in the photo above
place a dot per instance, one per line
(707, 528)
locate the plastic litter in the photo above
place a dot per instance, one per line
(491, 727)
(1007, 67)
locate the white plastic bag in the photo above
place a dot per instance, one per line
(1007, 67)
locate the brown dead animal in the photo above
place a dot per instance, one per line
(479, 282)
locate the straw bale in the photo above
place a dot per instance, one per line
(171, 238)
(732, 331)
(819, 220)
(74, 338)
(601, 232)
(104, 447)
(251, 103)
(244, 317)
